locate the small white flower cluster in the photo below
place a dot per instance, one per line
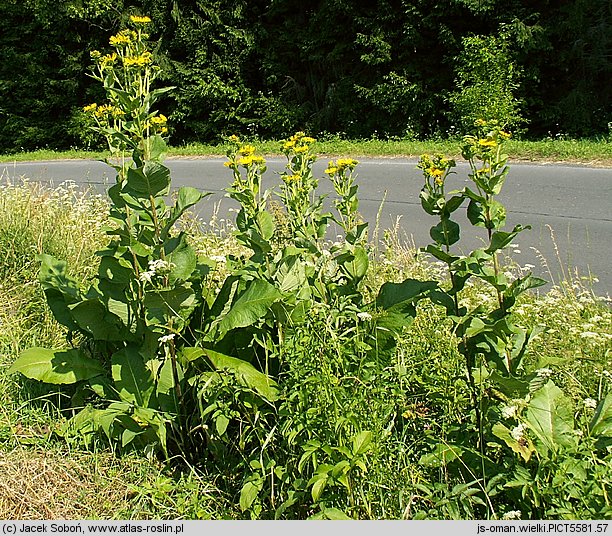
(166, 338)
(509, 412)
(518, 432)
(364, 317)
(544, 373)
(512, 514)
(590, 403)
(157, 267)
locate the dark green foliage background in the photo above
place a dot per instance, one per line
(267, 68)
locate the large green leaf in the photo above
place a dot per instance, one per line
(291, 277)
(157, 148)
(361, 442)
(150, 180)
(162, 305)
(550, 416)
(446, 232)
(187, 197)
(354, 263)
(601, 424)
(251, 305)
(393, 294)
(133, 379)
(441, 455)
(477, 213)
(246, 373)
(116, 270)
(501, 239)
(265, 224)
(182, 256)
(56, 366)
(93, 317)
(60, 289)
(249, 493)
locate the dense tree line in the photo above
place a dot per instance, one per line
(355, 67)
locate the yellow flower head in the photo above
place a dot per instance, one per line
(90, 107)
(487, 143)
(504, 135)
(103, 111)
(292, 178)
(301, 149)
(246, 150)
(344, 163)
(332, 169)
(107, 60)
(117, 112)
(437, 174)
(144, 59)
(140, 20)
(234, 139)
(246, 161)
(159, 120)
(435, 167)
(289, 144)
(124, 37)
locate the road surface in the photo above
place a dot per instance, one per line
(568, 207)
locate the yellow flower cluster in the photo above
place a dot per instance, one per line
(123, 38)
(436, 173)
(251, 159)
(247, 150)
(104, 61)
(159, 123)
(104, 111)
(341, 165)
(242, 155)
(435, 167)
(488, 142)
(299, 143)
(146, 58)
(159, 120)
(289, 179)
(140, 20)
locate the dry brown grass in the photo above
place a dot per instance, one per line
(40, 484)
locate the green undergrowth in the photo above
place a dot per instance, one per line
(417, 398)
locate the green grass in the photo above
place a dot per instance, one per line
(589, 152)
(419, 397)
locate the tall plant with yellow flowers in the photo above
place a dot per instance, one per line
(130, 330)
(128, 119)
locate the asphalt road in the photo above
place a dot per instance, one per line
(568, 207)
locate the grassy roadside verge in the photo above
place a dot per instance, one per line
(596, 153)
(45, 476)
